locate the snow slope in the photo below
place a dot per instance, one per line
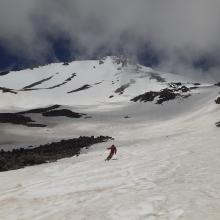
(167, 167)
(104, 79)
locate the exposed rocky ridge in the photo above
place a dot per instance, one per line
(40, 110)
(84, 87)
(63, 112)
(8, 90)
(36, 83)
(175, 90)
(19, 158)
(63, 83)
(16, 118)
(163, 95)
(30, 87)
(146, 97)
(98, 83)
(20, 118)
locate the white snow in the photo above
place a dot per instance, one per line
(167, 166)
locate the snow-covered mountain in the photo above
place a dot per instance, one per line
(80, 83)
(167, 165)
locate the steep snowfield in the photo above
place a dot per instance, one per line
(167, 166)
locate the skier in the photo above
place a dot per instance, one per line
(112, 152)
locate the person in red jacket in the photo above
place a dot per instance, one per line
(113, 150)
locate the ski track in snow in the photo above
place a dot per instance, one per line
(167, 166)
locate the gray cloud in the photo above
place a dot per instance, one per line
(176, 28)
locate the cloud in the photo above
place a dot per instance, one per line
(180, 30)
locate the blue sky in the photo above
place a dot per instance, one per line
(62, 51)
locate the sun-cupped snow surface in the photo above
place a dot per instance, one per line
(167, 165)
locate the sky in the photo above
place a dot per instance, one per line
(173, 35)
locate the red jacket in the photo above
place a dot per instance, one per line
(113, 149)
